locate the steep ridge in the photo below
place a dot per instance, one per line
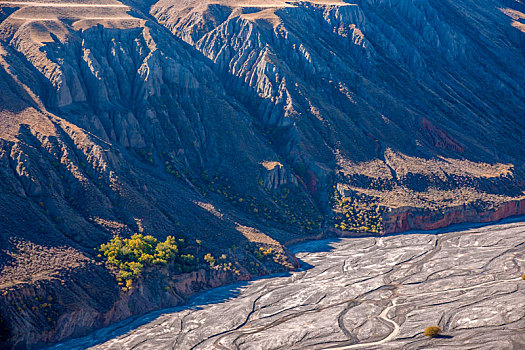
(353, 77)
(243, 125)
(91, 149)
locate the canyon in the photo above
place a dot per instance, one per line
(241, 127)
(356, 293)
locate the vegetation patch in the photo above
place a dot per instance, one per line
(146, 154)
(356, 214)
(288, 206)
(297, 208)
(172, 167)
(222, 263)
(128, 257)
(288, 209)
(432, 331)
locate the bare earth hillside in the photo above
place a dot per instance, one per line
(240, 126)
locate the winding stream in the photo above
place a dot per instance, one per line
(367, 293)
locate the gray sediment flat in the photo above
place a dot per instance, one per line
(367, 293)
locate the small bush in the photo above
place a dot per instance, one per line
(432, 331)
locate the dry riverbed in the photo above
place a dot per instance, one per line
(367, 293)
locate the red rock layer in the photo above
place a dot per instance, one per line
(406, 219)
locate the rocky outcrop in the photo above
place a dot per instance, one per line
(49, 311)
(274, 174)
(408, 219)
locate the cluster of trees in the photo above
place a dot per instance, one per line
(220, 263)
(297, 208)
(263, 254)
(146, 154)
(42, 306)
(354, 214)
(173, 168)
(290, 208)
(128, 257)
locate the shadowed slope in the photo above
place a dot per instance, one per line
(244, 125)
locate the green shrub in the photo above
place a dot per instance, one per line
(432, 331)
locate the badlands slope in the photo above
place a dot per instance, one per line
(245, 125)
